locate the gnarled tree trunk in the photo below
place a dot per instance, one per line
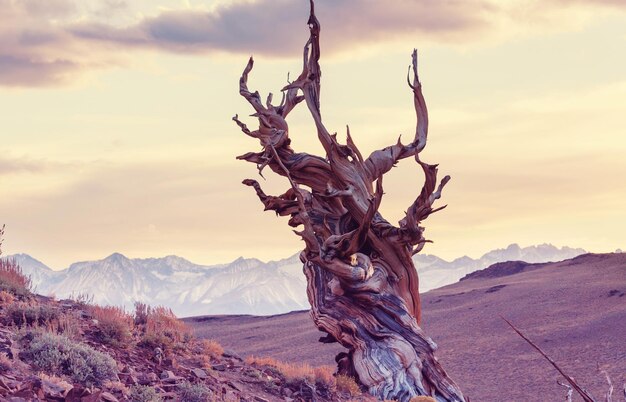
(362, 284)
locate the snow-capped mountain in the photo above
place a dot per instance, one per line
(245, 286)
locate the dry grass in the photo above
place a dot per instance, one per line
(422, 399)
(82, 299)
(297, 371)
(6, 297)
(163, 329)
(347, 385)
(115, 325)
(68, 324)
(12, 280)
(142, 310)
(211, 348)
(324, 374)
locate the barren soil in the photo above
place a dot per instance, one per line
(575, 310)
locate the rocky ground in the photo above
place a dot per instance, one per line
(186, 369)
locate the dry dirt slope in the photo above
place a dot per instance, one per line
(574, 309)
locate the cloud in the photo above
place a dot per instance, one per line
(46, 43)
(19, 165)
(36, 49)
(23, 71)
(278, 28)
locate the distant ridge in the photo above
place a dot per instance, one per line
(500, 269)
(244, 286)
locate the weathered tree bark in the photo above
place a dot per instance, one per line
(362, 284)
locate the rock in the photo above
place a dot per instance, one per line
(108, 397)
(147, 379)
(128, 378)
(167, 374)
(55, 389)
(201, 374)
(219, 367)
(259, 399)
(232, 354)
(236, 385)
(95, 397)
(77, 394)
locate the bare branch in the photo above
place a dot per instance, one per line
(380, 162)
(587, 397)
(285, 204)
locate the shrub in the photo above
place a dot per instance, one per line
(164, 330)
(141, 313)
(114, 324)
(56, 354)
(23, 314)
(142, 393)
(324, 375)
(193, 392)
(12, 280)
(82, 299)
(6, 297)
(67, 324)
(347, 384)
(5, 363)
(211, 348)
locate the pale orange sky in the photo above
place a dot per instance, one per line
(115, 130)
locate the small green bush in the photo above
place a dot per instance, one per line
(142, 393)
(189, 392)
(56, 354)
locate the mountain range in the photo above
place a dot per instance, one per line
(244, 286)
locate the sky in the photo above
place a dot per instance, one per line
(116, 131)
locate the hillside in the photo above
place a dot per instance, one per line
(75, 351)
(244, 286)
(574, 309)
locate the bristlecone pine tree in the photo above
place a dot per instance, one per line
(362, 284)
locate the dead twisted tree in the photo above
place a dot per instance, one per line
(362, 284)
